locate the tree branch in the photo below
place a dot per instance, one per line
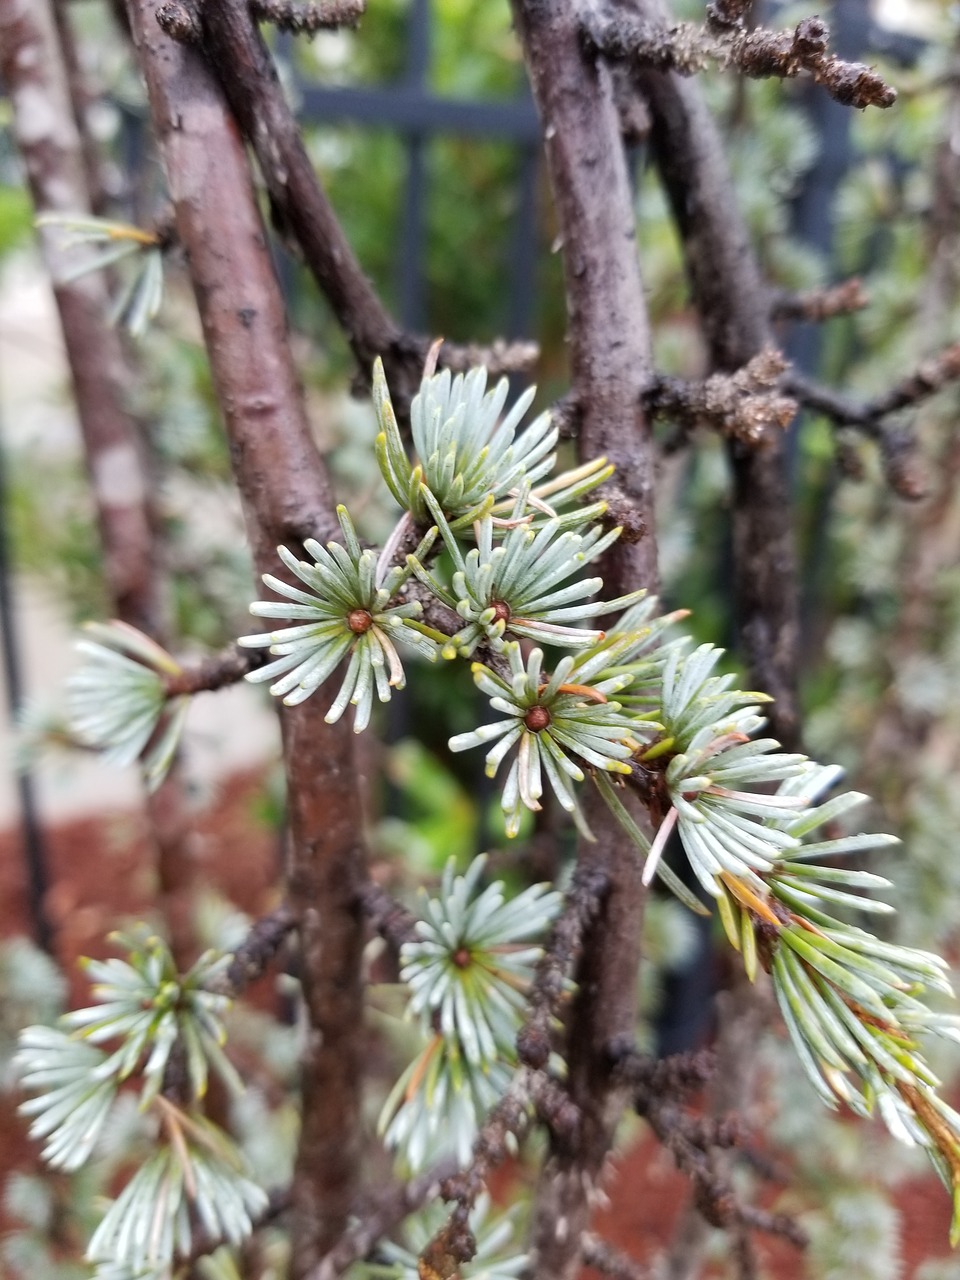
(742, 406)
(582, 904)
(308, 16)
(603, 1257)
(688, 48)
(816, 305)
(227, 667)
(390, 918)
(734, 309)
(610, 364)
(253, 957)
(897, 445)
(377, 1220)
(286, 497)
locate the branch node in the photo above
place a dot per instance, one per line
(178, 18)
(310, 17)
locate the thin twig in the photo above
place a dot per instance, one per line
(215, 672)
(256, 952)
(376, 1220)
(308, 16)
(583, 901)
(746, 405)
(816, 305)
(390, 918)
(760, 54)
(603, 1257)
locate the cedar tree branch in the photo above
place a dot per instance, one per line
(256, 952)
(734, 309)
(610, 365)
(375, 1221)
(742, 406)
(390, 918)
(286, 497)
(688, 48)
(309, 16)
(603, 1257)
(820, 304)
(215, 672)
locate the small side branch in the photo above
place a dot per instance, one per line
(694, 1141)
(376, 1220)
(817, 305)
(688, 48)
(745, 406)
(531, 1093)
(216, 672)
(582, 904)
(307, 18)
(896, 445)
(609, 1261)
(256, 953)
(391, 919)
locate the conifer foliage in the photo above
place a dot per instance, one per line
(574, 708)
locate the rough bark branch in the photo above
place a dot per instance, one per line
(734, 307)
(308, 16)
(215, 672)
(687, 48)
(390, 918)
(286, 497)
(583, 902)
(744, 406)
(610, 365)
(603, 1257)
(253, 957)
(376, 1220)
(817, 305)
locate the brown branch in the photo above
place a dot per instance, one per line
(760, 54)
(817, 305)
(610, 364)
(531, 1093)
(390, 918)
(603, 1257)
(308, 16)
(897, 445)
(744, 406)
(375, 1221)
(734, 309)
(256, 952)
(659, 1086)
(583, 902)
(215, 672)
(286, 497)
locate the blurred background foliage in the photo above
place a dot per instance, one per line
(880, 578)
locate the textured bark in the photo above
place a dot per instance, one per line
(734, 309)
(610, 367)
(286, 497)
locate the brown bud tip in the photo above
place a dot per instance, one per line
(461, 958)
(537, 718)
(501, 610)
(359, 621)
